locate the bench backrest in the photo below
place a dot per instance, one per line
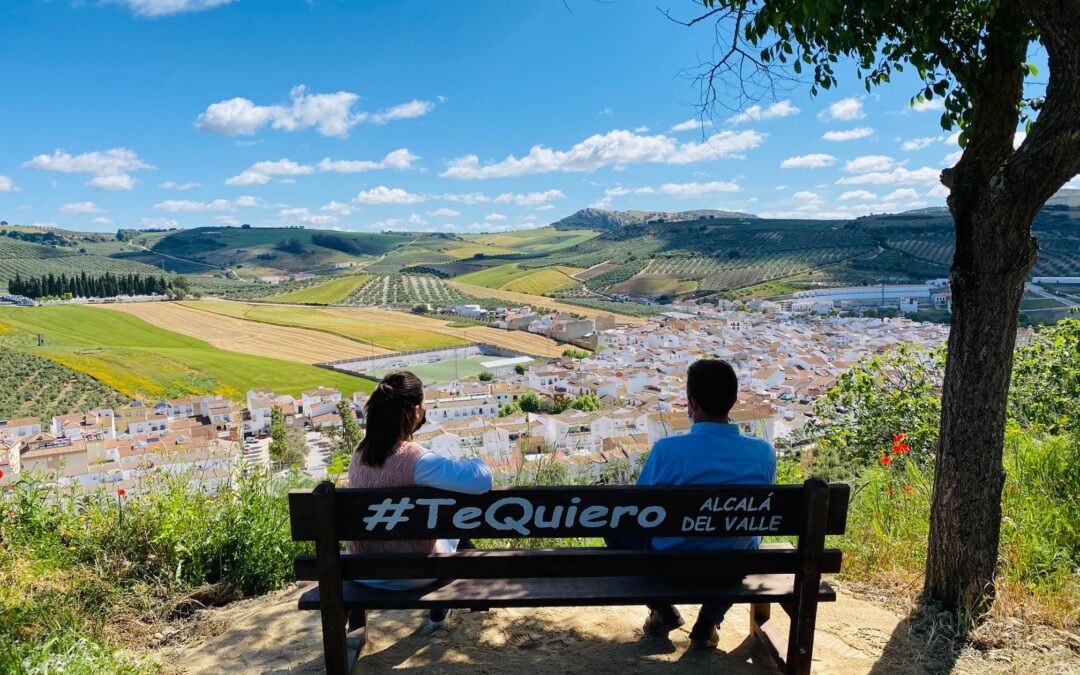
(329, 515)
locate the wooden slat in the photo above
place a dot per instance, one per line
(567, 562)
(616, 511)
(774, 641)
(567, 592)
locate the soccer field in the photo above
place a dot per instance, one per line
(444, 371)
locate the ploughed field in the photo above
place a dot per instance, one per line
(249, 337)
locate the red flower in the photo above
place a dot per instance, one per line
(897, 438)
(886, 460)
(903, 447)
(909, 489)
(121, 492)
(1, 473)
(890, 492)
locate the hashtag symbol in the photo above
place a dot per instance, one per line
(388, 513)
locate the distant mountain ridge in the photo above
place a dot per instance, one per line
(604, 220)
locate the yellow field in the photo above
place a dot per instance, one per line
(468, 250)
(385, 335)
(250, 337)
(527, 343)
(538, 301)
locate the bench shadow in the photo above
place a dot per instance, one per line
(920, 643)
(528, 641)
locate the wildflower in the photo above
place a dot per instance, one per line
(71, 548)
(898, 437)
(903, 447)
(121, 492)
(909, 489)
(890, 492)
(1, 473)
(886, 460)
(82, 519)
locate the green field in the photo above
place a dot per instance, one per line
(144, 361)
(328, 293)
(656, 286)
(511, 277)
(444, 371)
(385, 335)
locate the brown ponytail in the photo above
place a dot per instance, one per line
(391, 416)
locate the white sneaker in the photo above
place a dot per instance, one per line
(431, 626)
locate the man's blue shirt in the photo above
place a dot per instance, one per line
(711, 454)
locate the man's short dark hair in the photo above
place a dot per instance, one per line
(713, 385)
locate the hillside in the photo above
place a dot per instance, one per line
(602, 219)
(28, 258)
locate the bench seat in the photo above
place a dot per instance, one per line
(568, 592)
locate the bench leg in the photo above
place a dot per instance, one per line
(763, 629)
(334, 645)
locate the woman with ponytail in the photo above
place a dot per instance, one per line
(387, 457)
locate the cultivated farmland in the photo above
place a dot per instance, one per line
(406, 290)
(521, 341)
(28, 259)
(385, 335)
(511, 277)
(328, 293)
(249, 337)
(144, 361)
(517, 299)
(33, 386)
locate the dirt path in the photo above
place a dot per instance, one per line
(269, 635)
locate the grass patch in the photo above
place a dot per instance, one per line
(386, 336)
(328, 293)
(143, 361)
(543, 281)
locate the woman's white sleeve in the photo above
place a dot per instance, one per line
(471, 476)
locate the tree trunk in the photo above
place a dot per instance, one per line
(965, 518)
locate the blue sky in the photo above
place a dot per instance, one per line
(464, 117)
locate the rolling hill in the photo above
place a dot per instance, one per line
(603, 220)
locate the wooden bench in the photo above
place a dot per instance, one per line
(482, 579)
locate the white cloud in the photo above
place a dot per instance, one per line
(401, 111)
(868, 163)
(186, 205)
(171, 185)
(7, 185)
(806, 196)
(495, 218)
(918, 143)
(814, 161)
(756, 112)
(953, 139)
(1018, 138)
(531, 199)
(337, 207)
(693, 124)
(227, 220)
(469, 198)
(952, 158)
(849, 134)
(330, 114)
(1073, 184)
(641, 130)
(80, 207)
(416, 219)
(616, 148)
(844, 109)
(938, 191)
(444, 213)
(101, 220)
(901, 194)
(385, 195)
(694, 189)
(158, 223)
(260, 173)
(925, 106)
(305, 217)
(157, 8)
(861, 195)
(899, 175)
(110, 168)
(400, 159)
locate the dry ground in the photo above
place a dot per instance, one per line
(249, 337)
(268, 635)
(517, 340)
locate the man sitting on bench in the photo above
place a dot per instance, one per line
(713, 453)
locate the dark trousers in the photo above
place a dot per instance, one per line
(710, 612)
